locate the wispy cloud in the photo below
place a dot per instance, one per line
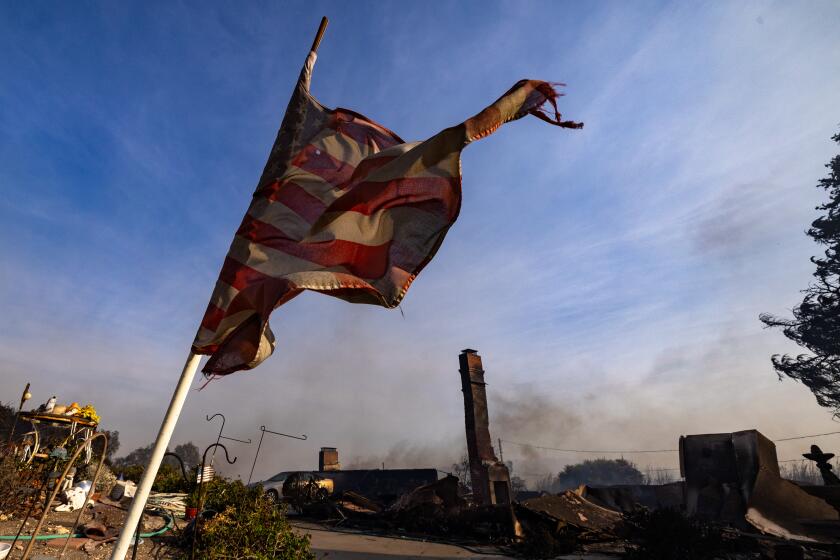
(610, 277)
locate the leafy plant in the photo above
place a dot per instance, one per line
(171, 479)
(191, 501)
(168, 479)
(132, 472)
(248, 525)
(89, 412)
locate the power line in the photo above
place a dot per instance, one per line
(806, 437)
(591, 450)
(644, 469)
(633, 451)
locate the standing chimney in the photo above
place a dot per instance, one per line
(328, 459)
(490, 477)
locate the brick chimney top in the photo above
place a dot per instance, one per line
(328, 459)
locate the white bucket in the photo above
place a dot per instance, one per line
(4, 550)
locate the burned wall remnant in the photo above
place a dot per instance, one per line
(735, 478)
(720, 471)
(490, 477)
(328, 459)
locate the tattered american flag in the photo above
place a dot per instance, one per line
(344, 207)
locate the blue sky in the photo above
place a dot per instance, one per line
(611, 277)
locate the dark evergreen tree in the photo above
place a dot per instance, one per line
(816, 321)
(188, 452)
(139, 457)
(113, 445)
(598, 472)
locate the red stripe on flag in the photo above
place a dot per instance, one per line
(257, 290)
(365, 261)
(364, 131)
(264, 296)
(318, 162)
(212, 317)
(370, 196)
(296, 198)
(368, 166)
(238, 275)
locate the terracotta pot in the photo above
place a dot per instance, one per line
(190, 513)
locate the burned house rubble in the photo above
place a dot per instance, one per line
(731, 488)
(382, 485)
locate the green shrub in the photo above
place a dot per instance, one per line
(133, 472)
(219, 493)
(168, 479)
(171, 479)
(247, 526)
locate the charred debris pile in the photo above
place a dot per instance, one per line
(731, 503)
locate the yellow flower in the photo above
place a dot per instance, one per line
(89, 412)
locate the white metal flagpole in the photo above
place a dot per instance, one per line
(171, 418)
(162, 442)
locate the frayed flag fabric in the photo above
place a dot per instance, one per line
(344, 207)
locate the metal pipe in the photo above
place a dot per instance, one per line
(57, 487)
(161, 443)
(320, 34)
(200, 486)
(180, 462)
(221, 437)
(248, 441)
(88, 443)
(257, 454)
(222, 429)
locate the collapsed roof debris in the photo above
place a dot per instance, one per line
(627, 498)
(443, 494)
(570, 508)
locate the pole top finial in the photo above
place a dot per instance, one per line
(318, 36)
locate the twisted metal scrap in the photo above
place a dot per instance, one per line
(55, 491)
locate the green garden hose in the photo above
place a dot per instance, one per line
(169, 521)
